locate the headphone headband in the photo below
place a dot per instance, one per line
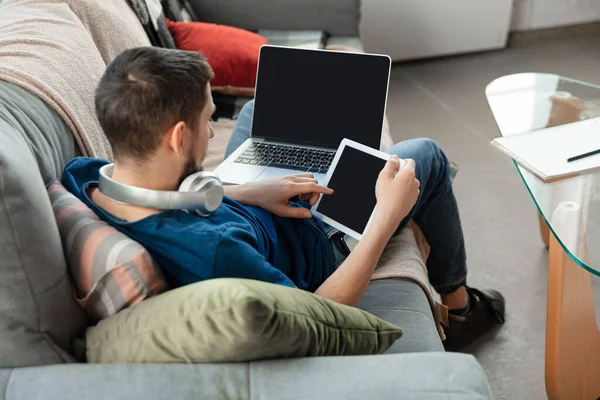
(201, 192)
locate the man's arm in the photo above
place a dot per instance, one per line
(235, 192)
(274, 194)
(396, 195)
(349, 282)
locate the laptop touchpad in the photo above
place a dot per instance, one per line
(270, 173)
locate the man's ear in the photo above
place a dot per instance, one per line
(174, 138)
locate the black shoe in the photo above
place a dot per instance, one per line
(485, 313)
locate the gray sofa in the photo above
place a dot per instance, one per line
(41, 325)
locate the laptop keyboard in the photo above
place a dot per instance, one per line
(294, 158)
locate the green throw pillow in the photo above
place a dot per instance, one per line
(223, 320)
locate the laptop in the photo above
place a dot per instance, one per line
(306, 102)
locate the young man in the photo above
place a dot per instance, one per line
(155, 107)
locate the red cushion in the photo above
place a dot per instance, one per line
(231, 52)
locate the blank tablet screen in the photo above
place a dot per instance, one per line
(353, 182)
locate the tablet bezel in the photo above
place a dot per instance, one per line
(338, 225)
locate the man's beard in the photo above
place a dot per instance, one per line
(189, 168)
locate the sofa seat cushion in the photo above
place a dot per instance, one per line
(425, 376)
(224, 320)
(218, 144)
(403, 302)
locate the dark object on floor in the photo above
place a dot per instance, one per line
(228, 106)
(486, 312)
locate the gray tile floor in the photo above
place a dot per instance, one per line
(444, 99)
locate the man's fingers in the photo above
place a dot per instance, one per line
(409, 164)
(304, 175)
(293, 212)
(313, 198)
(310, 197)
(301, 179)
(305, 196)
(311, 187)
(407, 172)
(391, 166)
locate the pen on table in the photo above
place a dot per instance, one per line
(584, 155)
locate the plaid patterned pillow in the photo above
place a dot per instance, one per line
(111, 272)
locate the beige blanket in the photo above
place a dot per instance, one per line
(58, 51)
(404, 258)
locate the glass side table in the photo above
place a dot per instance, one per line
(569, 224)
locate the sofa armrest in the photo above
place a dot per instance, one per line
(415, 376)
(337, 17)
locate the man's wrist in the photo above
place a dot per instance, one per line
(381, 227)
(235, 192)
(378, 234)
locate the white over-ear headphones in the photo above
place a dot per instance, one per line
(200, 193)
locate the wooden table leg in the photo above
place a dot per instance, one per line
(544, 230)
(572, 336)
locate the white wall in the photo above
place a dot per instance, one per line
(537, 14)
(409, 29)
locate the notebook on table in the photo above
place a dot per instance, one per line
(545, 152)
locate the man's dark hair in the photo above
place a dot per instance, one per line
(145, 91)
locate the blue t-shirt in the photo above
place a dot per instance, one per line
(234, 241)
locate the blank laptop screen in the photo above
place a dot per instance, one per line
(319, 98)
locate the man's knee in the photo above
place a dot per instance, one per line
(421, 148)
(424, 146)
(242, 128)
(437, 157)
(426, 153)
(248, 109)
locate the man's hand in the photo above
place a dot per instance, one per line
(396, 194)
(274, 194)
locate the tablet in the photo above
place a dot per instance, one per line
(352, 176)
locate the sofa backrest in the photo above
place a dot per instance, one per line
(336, 17)
(38, 314)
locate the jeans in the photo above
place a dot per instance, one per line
(435, 211)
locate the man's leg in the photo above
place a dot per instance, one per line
(473, 312)
(436, 213)
(242, 128)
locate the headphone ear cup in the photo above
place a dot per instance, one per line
(195, 181)
(208, 184)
